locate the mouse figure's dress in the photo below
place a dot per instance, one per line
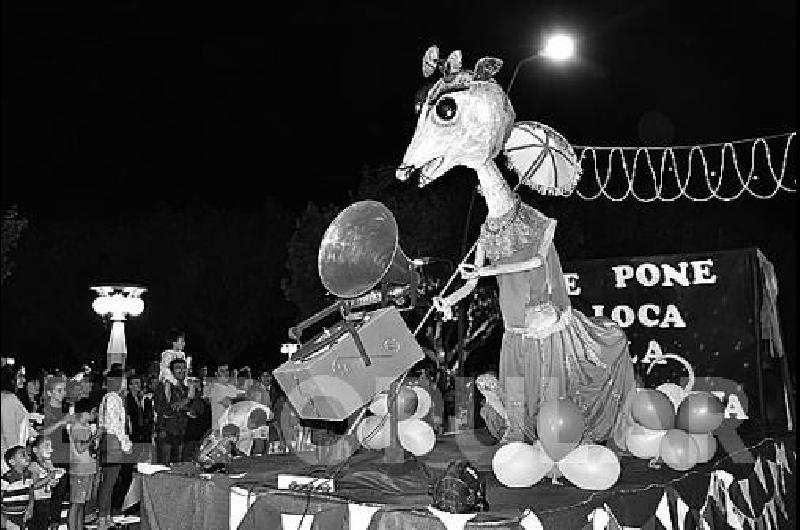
(550, 350)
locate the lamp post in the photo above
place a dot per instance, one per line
(118, 302)
(558, 47)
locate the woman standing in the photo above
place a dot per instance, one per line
(31, 397)
(15, 426)
(20, 377)
(115, 441)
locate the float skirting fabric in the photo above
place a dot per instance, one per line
(723, 493)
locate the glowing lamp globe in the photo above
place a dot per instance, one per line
(135, 306)
(559, 47)
(101, 305)
(118, 302)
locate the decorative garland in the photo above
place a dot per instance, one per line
(617, 161)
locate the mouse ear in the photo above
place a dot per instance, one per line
(430, 61)
(542, 158)
(487, 67)
(453, 63)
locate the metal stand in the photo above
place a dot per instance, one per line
(395, 454)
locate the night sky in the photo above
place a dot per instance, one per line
(112, 109)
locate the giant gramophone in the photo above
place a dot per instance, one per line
(343, 366)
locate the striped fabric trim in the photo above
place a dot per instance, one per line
(16, 496)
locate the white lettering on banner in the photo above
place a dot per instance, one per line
(648, 274)
(672, 275)
(648, 315)
(645, 317)
(653, 354)
(672, 318)
(571, 279)
(622, 315)
(665, 274)
(622, 273)
(702, 272)
(733, 408)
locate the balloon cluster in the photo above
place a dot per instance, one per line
(416, 436)
(559, 427)
(674, 425)
(681, 437)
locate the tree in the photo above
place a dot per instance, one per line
(13, 225)
(214, 273)
(303, 288)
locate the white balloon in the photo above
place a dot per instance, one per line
(416, 436)
(643, 442)
(706, 446)
(521, 465)
(678, 450)
(379, 405)
(424, 402)
(372, 434)
(673, 392)
(591, 467)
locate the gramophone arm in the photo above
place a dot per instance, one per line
(295, 332)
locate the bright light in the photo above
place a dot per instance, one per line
(559, 47)
(135, 306)
(289, 348)
(118, 301)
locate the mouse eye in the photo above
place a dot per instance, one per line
(446, 109)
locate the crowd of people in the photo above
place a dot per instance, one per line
(79, 438)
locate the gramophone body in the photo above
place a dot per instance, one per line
(331, 381)
(342, 368)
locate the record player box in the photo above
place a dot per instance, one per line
(328, 380)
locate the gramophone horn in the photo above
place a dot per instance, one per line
(359, 250)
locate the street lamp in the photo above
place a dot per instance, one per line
(559, 47)
(118, 302)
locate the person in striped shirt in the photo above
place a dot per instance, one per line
(17, 489)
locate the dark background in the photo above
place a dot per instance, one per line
(176, 145)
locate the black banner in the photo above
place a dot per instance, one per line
(701, 306)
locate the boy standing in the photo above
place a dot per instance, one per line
(83, 463)
(17, 488)
(46, 476)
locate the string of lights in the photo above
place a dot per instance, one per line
(699, 173)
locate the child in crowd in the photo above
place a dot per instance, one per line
(177, 340)
(83, 460)
(17, 489)
(46, 476)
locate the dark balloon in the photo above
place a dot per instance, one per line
(653, 409)
(560, 427)
(407, 403)
(700, 412)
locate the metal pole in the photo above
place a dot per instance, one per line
(394, 453)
